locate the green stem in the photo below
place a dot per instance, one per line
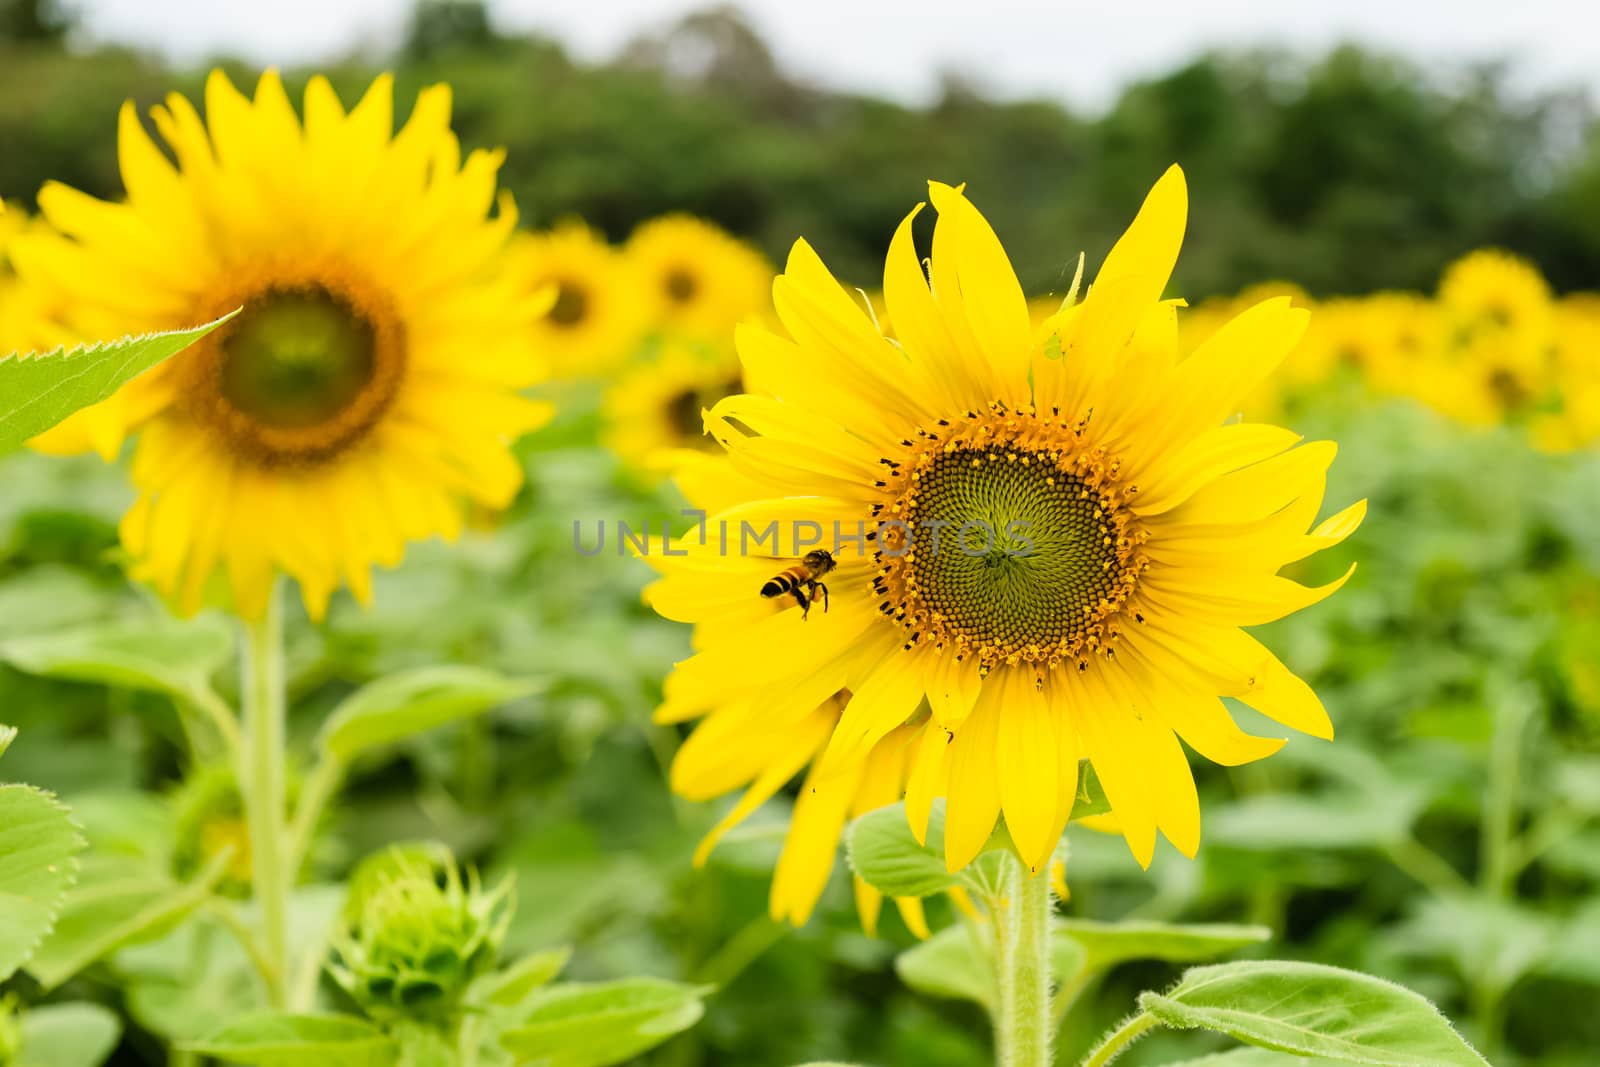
(318, 789)
(225, 913)
(205, 700)
(1023, 969)
(1426, 866)
(262, 783)
(1125, 1035)
(1511, 712)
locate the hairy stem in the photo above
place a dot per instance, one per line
(1023, 969)
(261, 780)
(1120, 1038)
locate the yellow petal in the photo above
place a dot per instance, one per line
(1148, 250)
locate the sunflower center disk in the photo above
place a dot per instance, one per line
(300, 374)
(1016, 544)
(571, 306)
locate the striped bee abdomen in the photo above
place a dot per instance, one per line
(777, 586)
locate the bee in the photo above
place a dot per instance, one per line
(803, 581)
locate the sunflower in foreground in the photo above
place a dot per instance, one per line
(596, 317)
(368, 384)
(695, 279)
(1105, 531)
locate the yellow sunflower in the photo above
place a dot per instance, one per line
(368, 386)
(696, 280)
(1575, 422)
(652, 410)
(27, 312)
(1499, 313)
(1107, 530)
(596, 318)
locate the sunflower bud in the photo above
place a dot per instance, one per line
(416, 935)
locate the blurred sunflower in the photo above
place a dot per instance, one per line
(368, 385)
(27, 312)
(652, 410)
(1575, 422)
(1498, 310)
(596, 318)
(695, 279)
(1107, 533)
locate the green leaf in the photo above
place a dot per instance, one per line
(592, 1025)
(281, 1039)
(1254, 1057)
(883, 852)
(1311, 1010)
(8, 734)
(412, 702)
(516, 983)
(38, 391)
(1106, 944)
(113, 907)
(1331, 821)
(955, 963)
(38, 861)
(68, 1035)
(162, 654)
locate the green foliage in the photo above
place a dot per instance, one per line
(592, 1025)
(166, 655)
(1311, 1010)
(39, 846)
(114, 904)
(67, 1035)
(281, 1039)
(403, 705)
(37, 391)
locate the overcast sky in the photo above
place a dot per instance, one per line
(1076, 51)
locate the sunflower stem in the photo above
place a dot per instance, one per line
(262, 783)
(1023, 968)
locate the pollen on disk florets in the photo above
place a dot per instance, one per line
(1006, 534)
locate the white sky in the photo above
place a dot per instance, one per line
(1075, 51)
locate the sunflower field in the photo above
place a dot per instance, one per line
(507, 560)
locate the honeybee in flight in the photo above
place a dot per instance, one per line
(803, 581)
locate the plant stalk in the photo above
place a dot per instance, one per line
(1023, 969)
(261, 781)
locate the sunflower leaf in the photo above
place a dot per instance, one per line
(113, 906)
(165, 655)
(281, 1039)
(584, 1024)
(1307, 1009)
(39, 845)
(411, 702)
(883, 852)
(1106, 944)
(39, 390)
(67, 1035)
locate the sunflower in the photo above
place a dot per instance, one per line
(27, 312)
(695, 279)
(596, 317)
(368, 385)
(1499, 313)
(1575, 422)
(652, 411)
(1108, 530)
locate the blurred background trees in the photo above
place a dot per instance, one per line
(1347, 173)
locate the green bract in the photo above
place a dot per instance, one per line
(417, 935)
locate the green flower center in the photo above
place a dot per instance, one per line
(298, 357)
(1006, 535)
(303, 372)
(1026, 553)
